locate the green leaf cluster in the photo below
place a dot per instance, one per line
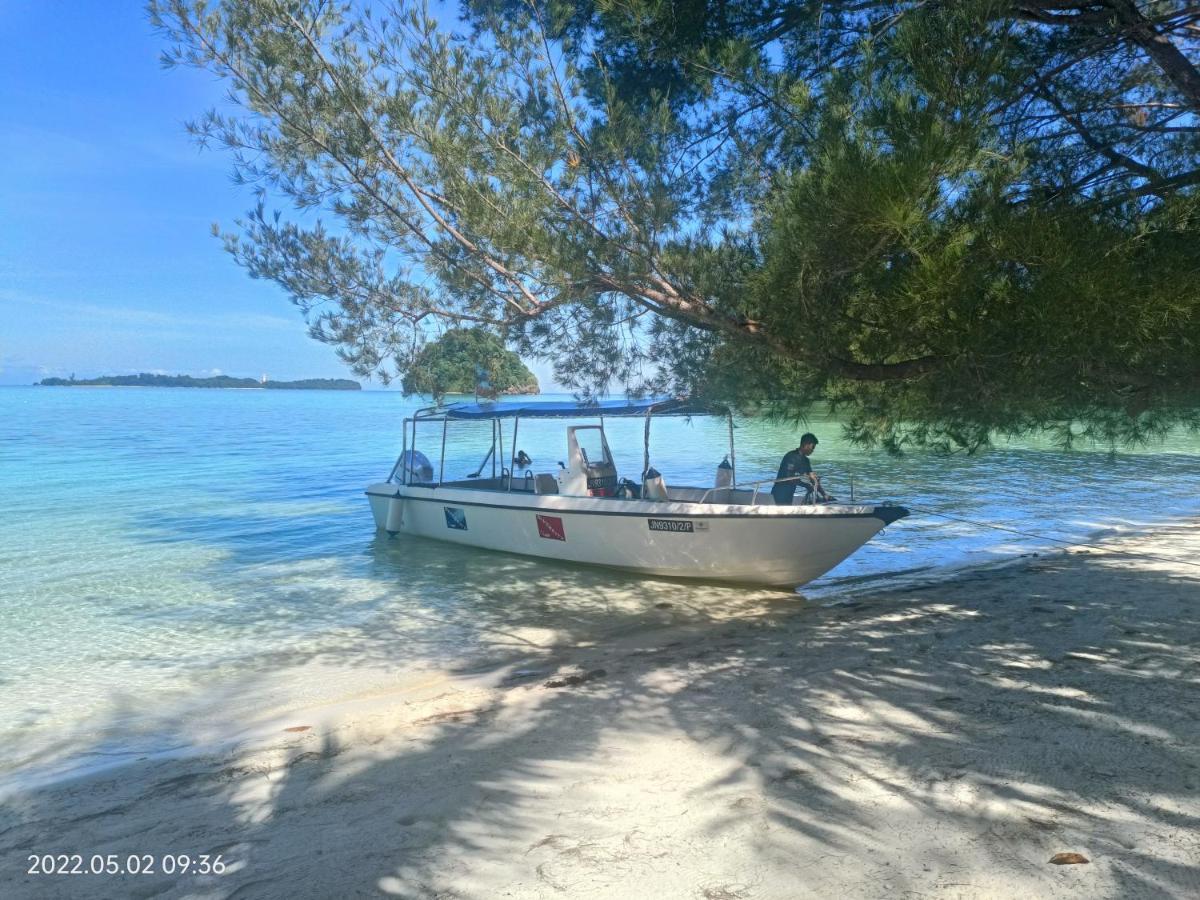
(462, 358)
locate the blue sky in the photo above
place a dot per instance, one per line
(107, 263)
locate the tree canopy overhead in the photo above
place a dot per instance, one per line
(463, 360)
(951, 219)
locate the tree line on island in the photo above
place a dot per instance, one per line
(461, 361)
(949, 220)
(146, 379)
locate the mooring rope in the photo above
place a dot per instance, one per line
(1051, 540)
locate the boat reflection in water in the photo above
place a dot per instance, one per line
(584, 513)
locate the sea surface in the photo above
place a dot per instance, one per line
(175, 564)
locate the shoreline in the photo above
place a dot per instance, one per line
(245, 736)
(1091, 541)
(948, 744)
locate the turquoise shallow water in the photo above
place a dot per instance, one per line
(175, 562)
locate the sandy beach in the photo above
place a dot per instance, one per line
(946, 740)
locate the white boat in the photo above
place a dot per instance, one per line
(582, 513)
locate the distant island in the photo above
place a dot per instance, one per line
(219, 381)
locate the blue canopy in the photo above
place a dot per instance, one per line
(570, 409)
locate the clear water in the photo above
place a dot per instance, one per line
(177, 563)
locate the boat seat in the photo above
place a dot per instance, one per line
(545, 484)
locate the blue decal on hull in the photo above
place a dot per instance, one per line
(455, 518)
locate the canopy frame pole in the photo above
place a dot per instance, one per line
(732, 454)
(495, 456)
(442, 466)
(403, 449)
(646, 447)
(512, 451)
(414, 445)
(403, 455)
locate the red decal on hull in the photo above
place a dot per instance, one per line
(551, 528)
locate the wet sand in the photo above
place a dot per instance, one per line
(945, 740)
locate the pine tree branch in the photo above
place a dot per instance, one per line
(1178, 69)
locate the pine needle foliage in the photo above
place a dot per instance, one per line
(949, 220)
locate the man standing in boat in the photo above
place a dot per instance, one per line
(797, 471)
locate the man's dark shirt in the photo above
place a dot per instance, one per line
(794, 463)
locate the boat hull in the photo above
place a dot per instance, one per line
(768, 545)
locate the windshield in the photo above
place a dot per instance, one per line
(591, 442)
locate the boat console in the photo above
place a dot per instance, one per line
(585, 475)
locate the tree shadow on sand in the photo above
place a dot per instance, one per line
(947, 740)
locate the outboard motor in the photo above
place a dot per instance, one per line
(415, 467)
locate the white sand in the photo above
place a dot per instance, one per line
(946, 741)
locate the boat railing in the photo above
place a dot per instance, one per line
(745, 486)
